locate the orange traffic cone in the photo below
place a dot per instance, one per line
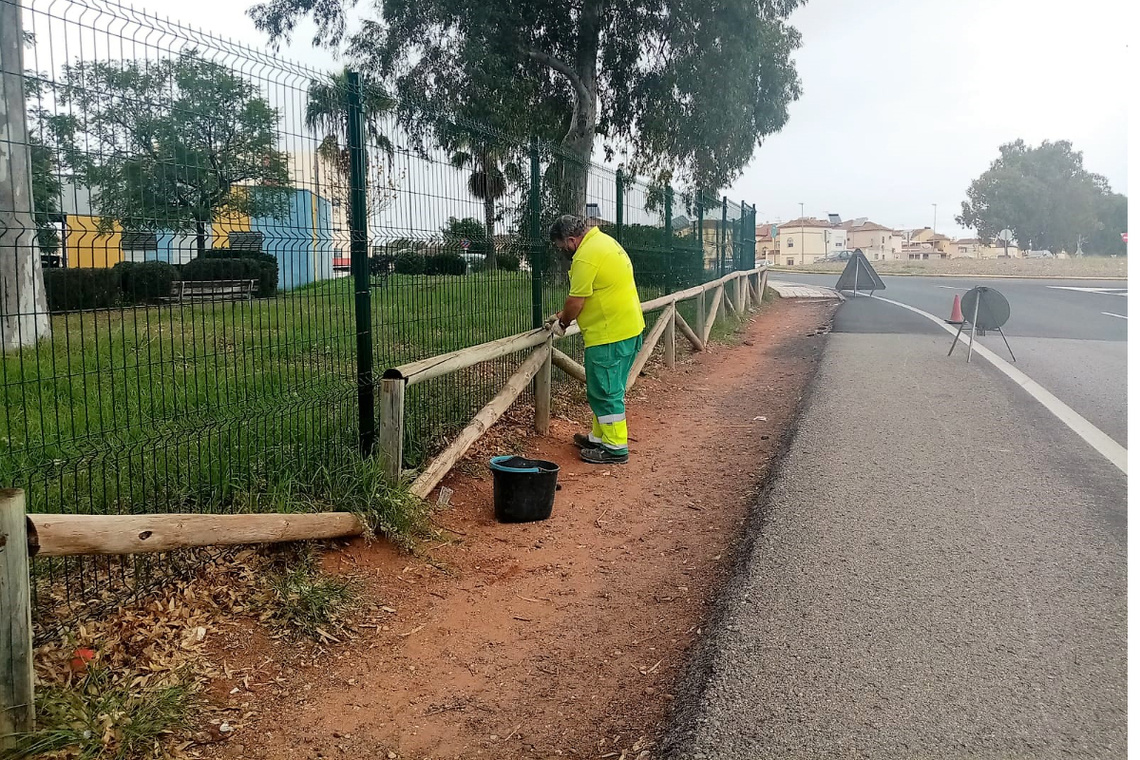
(956, 311)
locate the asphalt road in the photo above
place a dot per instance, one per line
(938, 570)
(1068, 335)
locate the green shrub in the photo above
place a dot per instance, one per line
(445, 262)
(76, 289)
(145, 281)
(222, 264)
(267, 282)
(409, 262)
(508, 262)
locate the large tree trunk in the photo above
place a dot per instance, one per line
(24, 316)
(579, 139)
(200, 236)
(489, 221)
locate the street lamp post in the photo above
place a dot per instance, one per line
(934, 229)
(803, 254)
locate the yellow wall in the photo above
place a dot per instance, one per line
(87, 248)
(225, 223)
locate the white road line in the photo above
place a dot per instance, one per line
(1122, 292)
(1110, 314)
(950, 287)
(1094, 436)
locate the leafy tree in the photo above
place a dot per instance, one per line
(472, 230)
(326, 114)
(667, 83)
(1112, 220)
(487, 182)
(167, 144)
(1045, 195)
(48, 133)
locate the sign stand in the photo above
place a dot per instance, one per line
(990, 311)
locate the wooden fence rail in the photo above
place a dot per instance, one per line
(739, 291)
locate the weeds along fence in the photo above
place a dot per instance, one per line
(209, 255)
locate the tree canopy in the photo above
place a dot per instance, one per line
(679, 89)
(1048, 199)
(164, 144)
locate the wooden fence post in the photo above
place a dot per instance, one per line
(671, 337)
(392, 427)
(702, 310)
(17, 700)
(542, 391)
(763, 284)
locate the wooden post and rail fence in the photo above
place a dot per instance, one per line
(23, 535)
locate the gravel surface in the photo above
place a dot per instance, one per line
(938, 570)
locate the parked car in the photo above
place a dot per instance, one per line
(836, 256)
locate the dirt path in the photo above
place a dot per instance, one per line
(560, 638)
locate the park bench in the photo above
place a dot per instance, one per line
(182, 291)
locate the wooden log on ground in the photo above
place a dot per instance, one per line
(391, 450)
(486, 417)
(710, 320)
(63, 535)
(445, 364)
(542, 390)
(568, 365)
(17, 697)
(648, 346)
(688, 332)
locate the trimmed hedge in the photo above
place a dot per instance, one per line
(224, 264)
(445, 262)
(75, 289)
(410, 262)
(145, 281)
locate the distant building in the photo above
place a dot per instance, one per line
(302, 240)
(878, 243)
(803, 241)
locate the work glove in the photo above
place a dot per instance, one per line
(555, 326)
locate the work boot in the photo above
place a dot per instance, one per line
(601, 455)
(584, 442)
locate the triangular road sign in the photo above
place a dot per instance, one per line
(859, 275)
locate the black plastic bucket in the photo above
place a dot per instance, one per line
(524, 488)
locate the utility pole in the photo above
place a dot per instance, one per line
(23, 303)
(803, 253)
(934, 229)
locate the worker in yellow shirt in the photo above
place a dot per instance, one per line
(603, 298)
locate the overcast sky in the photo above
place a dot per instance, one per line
(905, 101)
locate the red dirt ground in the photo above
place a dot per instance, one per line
(559, 638)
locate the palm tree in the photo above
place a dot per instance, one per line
(486, 182)
(326, 114)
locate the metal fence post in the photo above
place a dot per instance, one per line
(537, 316)
(358, 224)
(723, 230)
(17, 702)
(669, 266)
(619, 213)
(701, 230)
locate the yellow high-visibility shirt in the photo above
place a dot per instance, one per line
(602, 273)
